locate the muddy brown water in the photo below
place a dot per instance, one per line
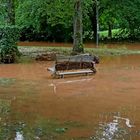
(105, 105)
(135, 46)
(100, 104)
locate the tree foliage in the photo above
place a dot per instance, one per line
(9, 35)
(52, 20)
(49, 19)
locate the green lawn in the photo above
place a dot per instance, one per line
(104, 34)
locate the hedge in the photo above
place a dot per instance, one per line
(9, 36)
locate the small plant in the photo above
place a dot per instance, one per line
(8, 37)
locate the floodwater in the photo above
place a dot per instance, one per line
(105, 106)
(134, 46)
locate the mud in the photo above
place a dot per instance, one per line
(91, 102)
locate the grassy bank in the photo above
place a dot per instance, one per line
(33, 51)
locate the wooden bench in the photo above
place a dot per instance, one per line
(78, 72)
(73, 65)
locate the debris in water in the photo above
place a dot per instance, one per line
(54, 85)
(127, 121)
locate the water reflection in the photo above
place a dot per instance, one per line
(127, 121)
(119, 128)
(19, 136)
(72, 81)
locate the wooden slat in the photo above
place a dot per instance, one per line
(75, 72)
(52, 69)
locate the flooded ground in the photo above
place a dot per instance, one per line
(105, 106)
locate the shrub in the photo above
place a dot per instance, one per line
(9, 35)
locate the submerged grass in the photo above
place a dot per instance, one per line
(111, 52)
(6, 82)
(25, 60)
(39, 129)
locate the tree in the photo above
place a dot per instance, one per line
(52, 20)
(9, 33)
(11, 12)
(122, 14)
(78, 27)
(92, 15)
(108, 15)
(129, 14)
(42, 22)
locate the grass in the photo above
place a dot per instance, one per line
(25, 60)
(104, 34)
(111, 52)
(102, 51)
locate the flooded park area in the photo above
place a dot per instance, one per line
(104, 106)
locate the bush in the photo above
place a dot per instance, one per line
(9, 35)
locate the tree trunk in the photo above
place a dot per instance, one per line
(109, 30)
(78, 28)
(11, 12)
(94, 22)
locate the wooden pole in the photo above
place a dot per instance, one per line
(97, 22)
